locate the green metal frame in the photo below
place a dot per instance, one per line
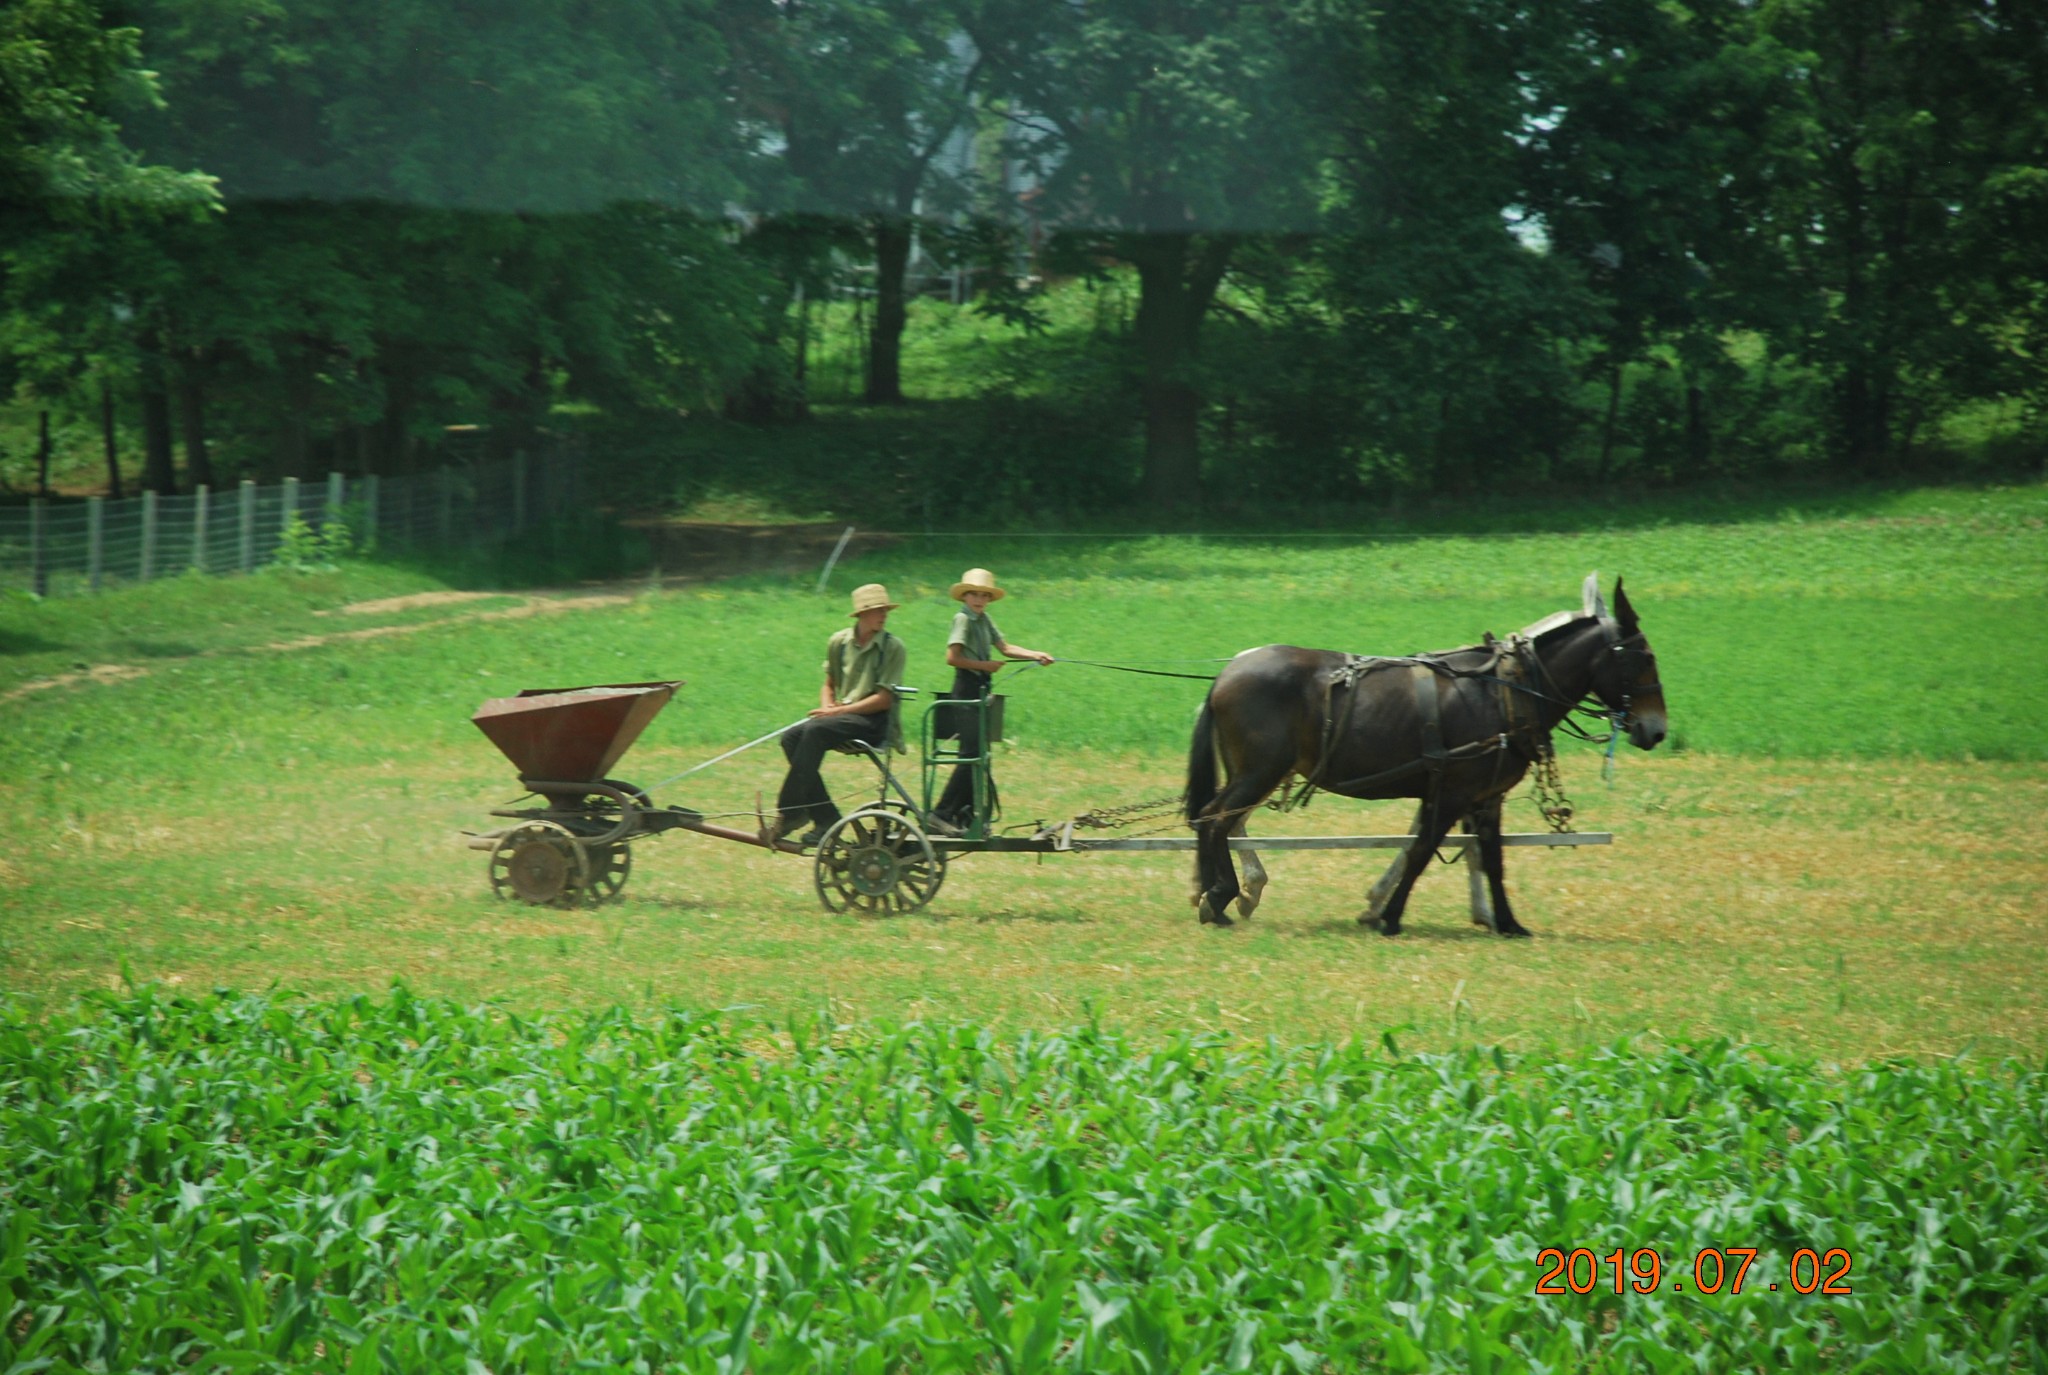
(940, 755)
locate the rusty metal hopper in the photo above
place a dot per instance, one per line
(571, 735)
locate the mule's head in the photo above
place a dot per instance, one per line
(1625, 677)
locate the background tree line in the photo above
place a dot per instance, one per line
(1358, 250)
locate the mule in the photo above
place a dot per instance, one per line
(1456, 729)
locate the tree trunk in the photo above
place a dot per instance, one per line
(192, 424)
(393, 431)
(803, 335)
(1177, 279)
(1606, 468)
(43, 453)
(107, 436)
(1699, 446)
(294, 438)
(885, 345)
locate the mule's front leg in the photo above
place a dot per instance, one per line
(1389, 897)
(1383, 889)
(1489, 868)
(1475, 879)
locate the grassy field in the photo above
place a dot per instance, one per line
(241, 781)
(745, 1134)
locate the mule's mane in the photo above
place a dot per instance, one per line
(1556, 623)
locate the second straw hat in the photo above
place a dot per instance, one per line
(977, 580)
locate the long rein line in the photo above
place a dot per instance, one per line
(1151, 672)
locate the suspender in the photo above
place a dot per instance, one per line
(838, 657)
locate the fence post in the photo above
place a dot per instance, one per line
(447, 505)
(337, 493)
(370, 494)
(38, 575)
(245, 542)
(148, 569)
(95, 541)
(518, 490)
(199, 495)
(290, 512)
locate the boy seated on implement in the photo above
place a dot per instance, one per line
(862, 663)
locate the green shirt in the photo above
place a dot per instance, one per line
(856, 672)
(976, 635)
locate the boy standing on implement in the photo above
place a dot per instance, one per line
(971, 650)
(857, 701)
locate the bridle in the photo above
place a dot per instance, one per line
(1635, 652)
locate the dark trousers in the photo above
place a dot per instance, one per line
(803, 800)
(956, 803)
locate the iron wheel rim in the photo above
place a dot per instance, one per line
(877, 862)
(539, 864)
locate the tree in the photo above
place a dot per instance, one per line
(1925, 126)
(1161, 134)
(479, 213)
(1443, 326)
(862, 96)
(1650, 173)
(71, 185)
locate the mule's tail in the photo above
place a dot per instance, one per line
(1201, 764)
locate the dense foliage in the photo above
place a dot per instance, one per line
(1370, 248)
(263, 1183)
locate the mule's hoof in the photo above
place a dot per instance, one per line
(1370, 920)
(1212, 917)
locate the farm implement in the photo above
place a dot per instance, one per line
(575, 847)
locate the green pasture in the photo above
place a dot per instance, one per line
(247, 780)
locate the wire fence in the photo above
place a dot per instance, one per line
(63, 548)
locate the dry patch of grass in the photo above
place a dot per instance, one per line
(1847, 911)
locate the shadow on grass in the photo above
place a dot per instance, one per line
(1349, 927)
(1040, 916)
(629, 901)
(23, 642)
(156, 649)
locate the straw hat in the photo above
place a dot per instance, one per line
(977, 580)
(871, 597)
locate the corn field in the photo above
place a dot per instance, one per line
(252, 1183)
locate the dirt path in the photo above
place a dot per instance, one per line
(531, 604)
(687, 553)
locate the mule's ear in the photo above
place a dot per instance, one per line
(1623, 612)
(1589, 596)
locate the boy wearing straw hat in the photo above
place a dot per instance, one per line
(971, 650)
(863, 663)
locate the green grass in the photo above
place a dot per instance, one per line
(400, 1184)
(182, 616)
(1834, 855)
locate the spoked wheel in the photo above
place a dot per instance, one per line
(540, 863)
(609, 866)
(877, 860)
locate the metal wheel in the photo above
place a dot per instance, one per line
(539, 863)
(877, 860)
(609, 866)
